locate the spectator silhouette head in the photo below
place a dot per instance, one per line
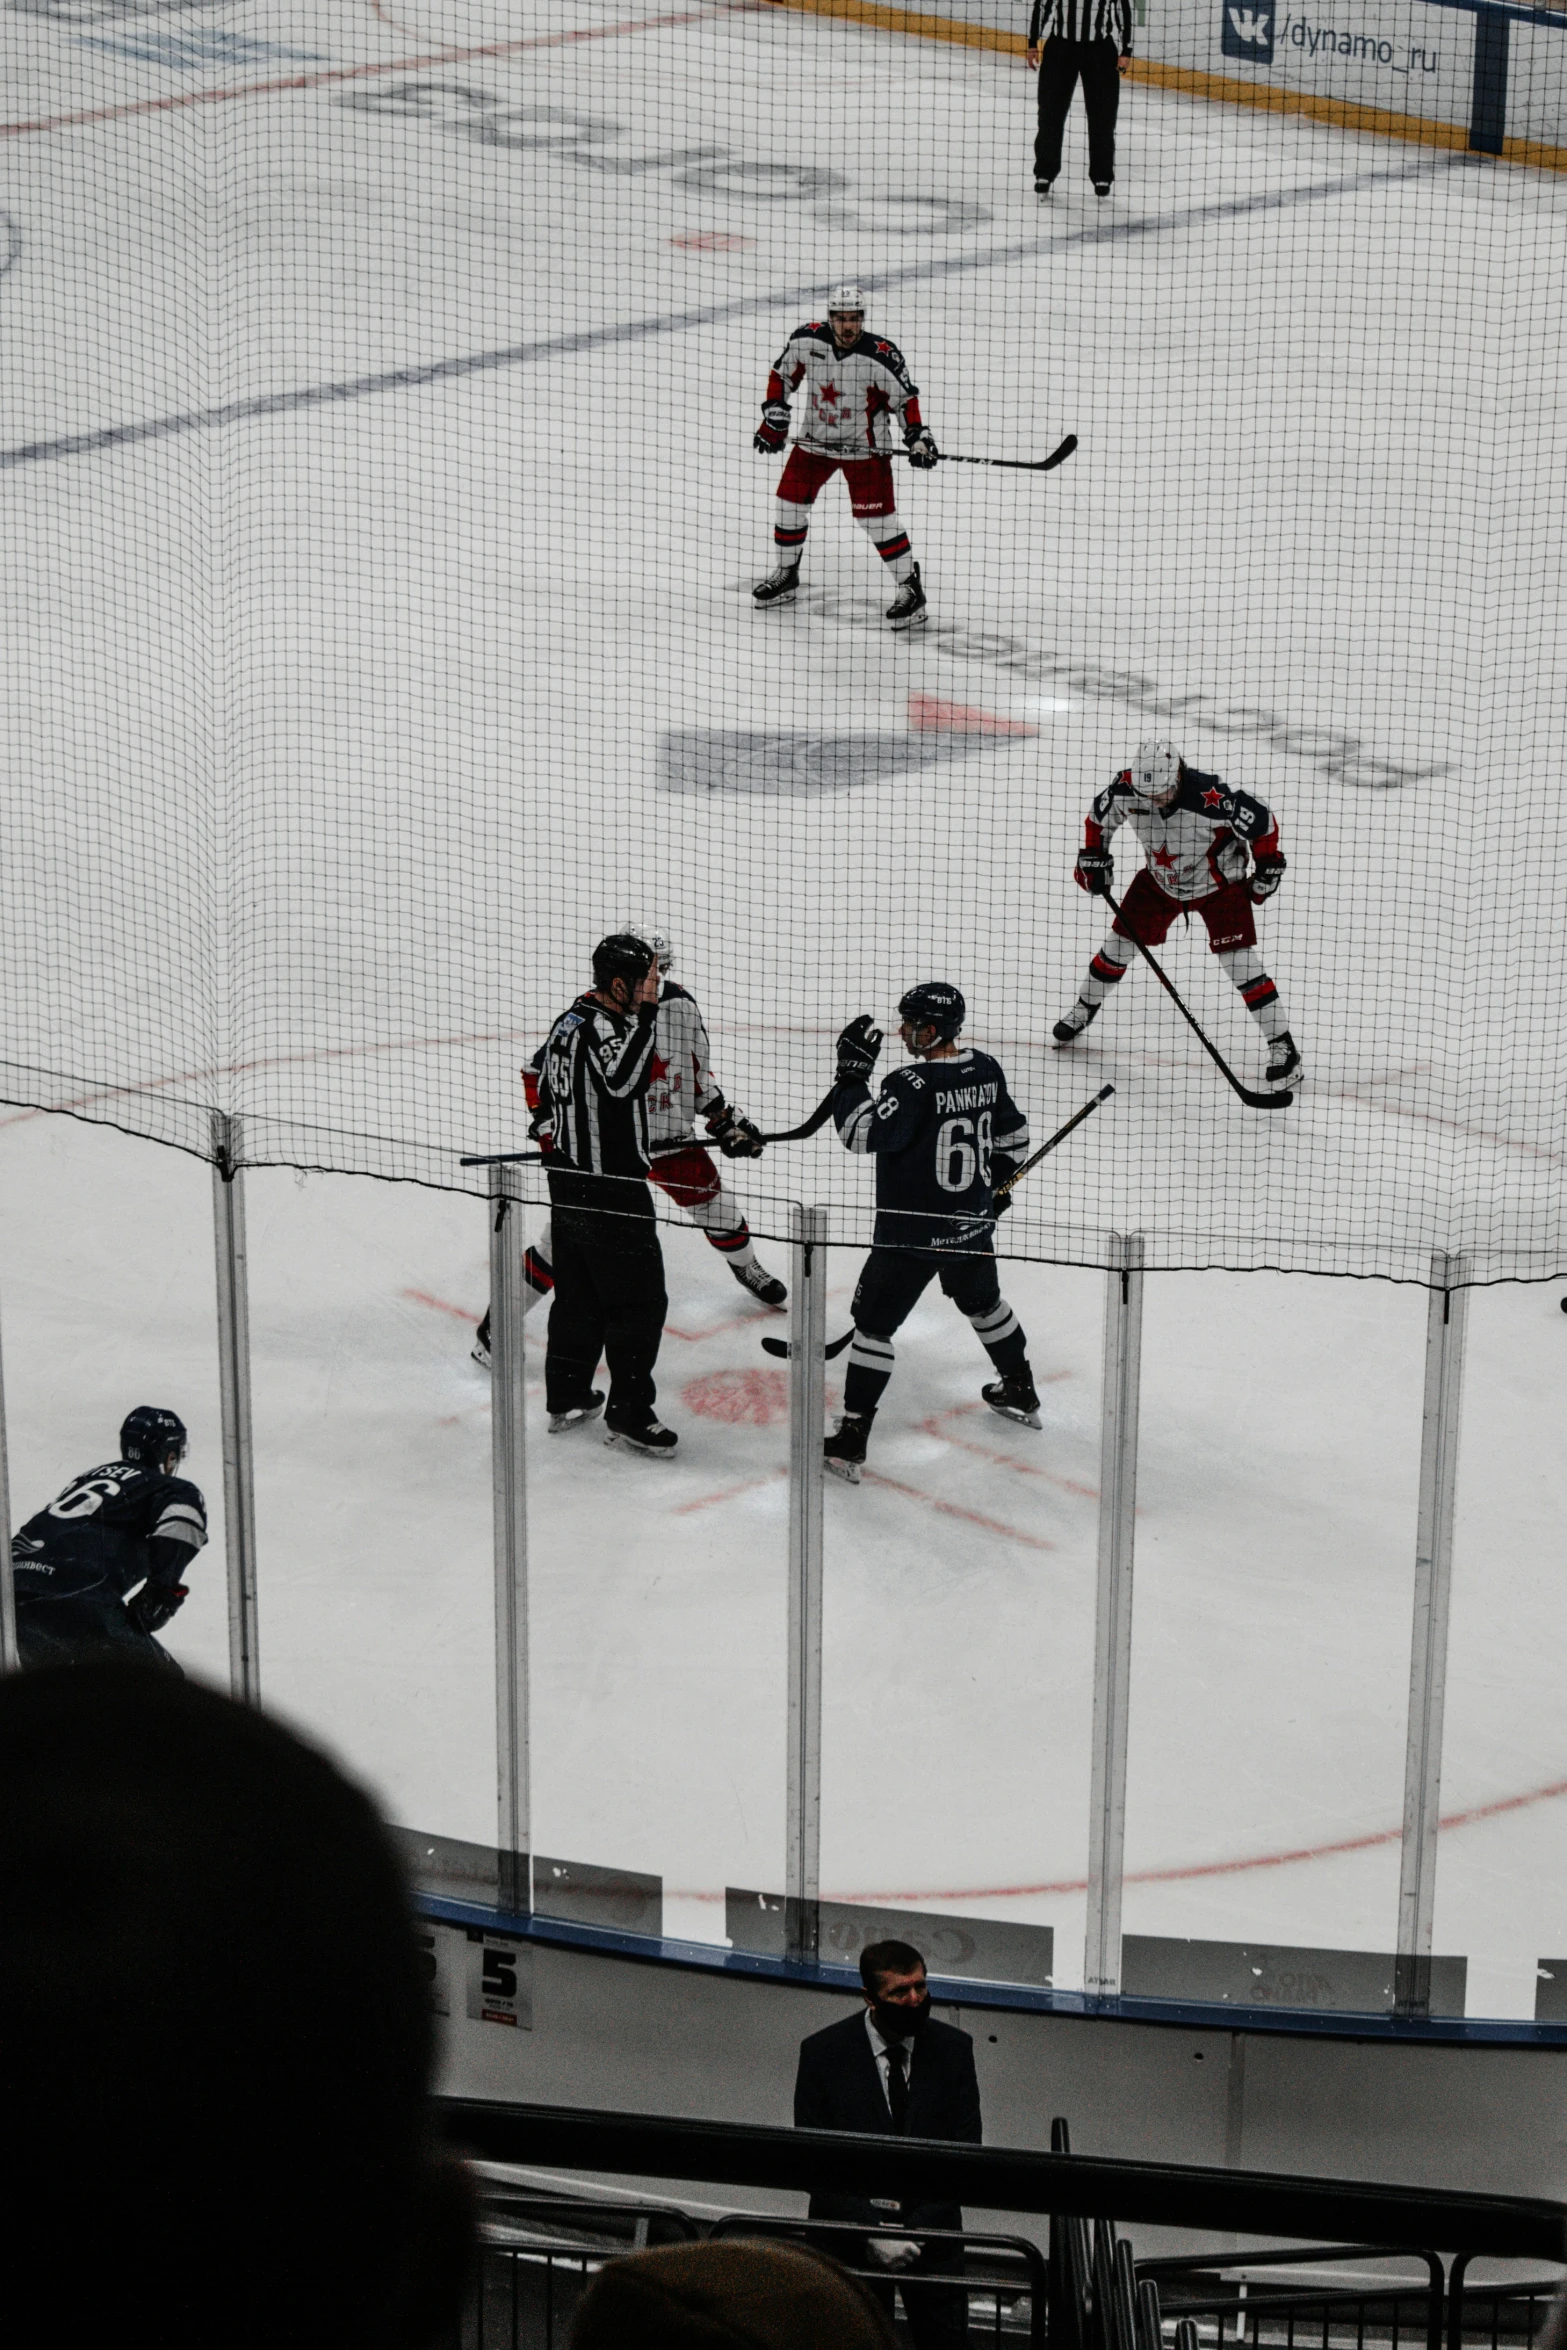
(729, 2296)
(215, 2036)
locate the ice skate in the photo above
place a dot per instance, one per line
(779, 587)
(480, 1350)
(576, 1415)
(1068, 1031)
(761, 1284)
(844, 1451)
(1014, 1398)
(1283, 1059)
(1043, 187)
(907, 609)
(647, 1436)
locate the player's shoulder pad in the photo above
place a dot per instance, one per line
(1118, 788)
(1247, 813)
(890, 356)
(181, 1489)
(816, 328)
(910, 1079)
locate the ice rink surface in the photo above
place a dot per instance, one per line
(377, 398)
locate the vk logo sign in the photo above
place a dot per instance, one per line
(1248, 31)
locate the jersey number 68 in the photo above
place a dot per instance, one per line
(963, 1152)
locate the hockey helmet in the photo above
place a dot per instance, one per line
(1156, 768)
(658, 940)
(933, 1004)
(848, 296)
(150, 1435)
(622, 956)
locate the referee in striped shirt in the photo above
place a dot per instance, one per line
(1072, 41)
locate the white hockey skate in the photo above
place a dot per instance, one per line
(1068, 1031)
(907, 609)
(761, 1284)
(779, 587)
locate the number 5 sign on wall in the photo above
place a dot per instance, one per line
(500, 1980)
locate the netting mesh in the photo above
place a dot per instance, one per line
(382, 520)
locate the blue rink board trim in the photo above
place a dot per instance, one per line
(1016, 1999)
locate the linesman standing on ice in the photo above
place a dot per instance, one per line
(944, 1134)
(1072, 41)
(609, 1270)
(852, 384)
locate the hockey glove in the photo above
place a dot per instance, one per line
(773, 431)
(153, 1605)
(736, 1137)
(858, 1047)
(1267, 873)
(1001, 1205)
(923, 452)
(1094, 870)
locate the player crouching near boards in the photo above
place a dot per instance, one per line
(944, 1135)
(853, 384)
(1211, 851)
(682, 1085)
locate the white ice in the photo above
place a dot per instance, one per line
(336, 736)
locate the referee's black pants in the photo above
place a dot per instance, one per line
(1062, 65)
(609, 1295)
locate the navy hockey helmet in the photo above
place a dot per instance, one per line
(933, 1004)
(150, 1435)
(622, 956)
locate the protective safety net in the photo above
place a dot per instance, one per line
(383, 519)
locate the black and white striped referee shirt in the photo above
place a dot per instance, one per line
(1082, 20)
(598, 1065)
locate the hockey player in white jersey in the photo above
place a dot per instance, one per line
(683, 1088)
(1212, 851)
(851, 386)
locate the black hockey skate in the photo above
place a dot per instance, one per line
(1043, 187)
(844, 1451)
(647, 1436)
(907, 609)
(576, 1415)
(762, 1284)
(480, 1349)
(1015, 1398)
(1102, 187)
(779, 587)
(1068, 1031)
(1283, 1059)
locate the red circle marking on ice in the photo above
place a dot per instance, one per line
(751, 1399)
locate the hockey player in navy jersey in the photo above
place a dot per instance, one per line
(944, 1134)
(102, 1569)
(851, 385)
(1212, 851)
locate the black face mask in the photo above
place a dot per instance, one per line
(901, 2023)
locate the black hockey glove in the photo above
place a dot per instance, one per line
(1001, 1205)
(773, 431)
(1095, 867)
(1267, 873)
(858, 1047)
(736, 1137)
(923, 452)
(153, 1605)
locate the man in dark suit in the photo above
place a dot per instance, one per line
(893, 2068)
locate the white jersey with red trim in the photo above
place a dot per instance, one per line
(683, 1082)
(849, 397)
(1204, 840)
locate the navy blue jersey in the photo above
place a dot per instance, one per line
(110, 1529)
(944, 1134)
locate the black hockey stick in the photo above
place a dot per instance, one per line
(835, 1346)
(1249, 1094)
(812, 1125)
(505, 1159)
(1048, 464)
(1060, 1135)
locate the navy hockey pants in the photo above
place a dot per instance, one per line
(609, 1295)
(1062, 64)
(88, 1630)
(890, 1287)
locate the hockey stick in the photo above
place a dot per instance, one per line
(1060, 1135)
(835, 1346)
(505, 1159)
(812, 1125)
(1048, 464)
(1249, 1095)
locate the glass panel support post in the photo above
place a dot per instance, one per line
(9, 1653)
(1446, 1325)
(239, 1479)
(1113, 1612)
(807, 1422)
(509, 1459)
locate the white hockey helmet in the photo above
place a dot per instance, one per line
(848, 296)
(1156, 767)
(658, 940)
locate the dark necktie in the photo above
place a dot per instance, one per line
(898, 2084)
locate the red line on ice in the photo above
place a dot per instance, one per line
(354, 73)
(953, 1509)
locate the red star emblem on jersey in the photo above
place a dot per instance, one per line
(829, 395)
(658, 1069)
(1163, 857)
(1211, 799)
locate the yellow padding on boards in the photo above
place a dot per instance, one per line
(1190, 83)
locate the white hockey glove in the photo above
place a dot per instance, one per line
(923, 452)
(893, 2251)
(1267, 873)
